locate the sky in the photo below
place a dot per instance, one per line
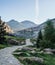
(18, 9)
(37, 11)
(46, 10)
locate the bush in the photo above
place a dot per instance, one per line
(2, 46)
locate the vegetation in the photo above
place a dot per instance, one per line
(2, 32)
(49, 34)
(48, 58)
(39, 39)
(47, 40)
(4, 37)
(14, 40)
(2, 46)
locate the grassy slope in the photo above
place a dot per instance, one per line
(48, 59)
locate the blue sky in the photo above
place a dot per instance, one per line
(35, 10)
(18, 9)
(46, 10)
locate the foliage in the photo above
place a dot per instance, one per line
(47, 39)
(39, 38)
(48, 58)
(49, 33)
(45, 44)
(4, 45)
(16, 38)
(2, 31)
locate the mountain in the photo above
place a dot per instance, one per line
(27, 28)
(41, 26)
(28, 24)
(17, 26)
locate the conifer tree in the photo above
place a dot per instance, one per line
(39, 38)
(49, 33)
(49, 30)
(2, 31)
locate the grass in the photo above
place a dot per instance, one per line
(16, 38)
(3, 46)
(48, 59)
(29, 62)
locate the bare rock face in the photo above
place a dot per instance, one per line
(8, 29)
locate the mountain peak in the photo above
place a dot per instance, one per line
(27, 21)
(17, 26)
(14, 21)
(28, 24)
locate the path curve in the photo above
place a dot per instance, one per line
(6, 57)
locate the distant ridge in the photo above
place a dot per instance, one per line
(28, 24)
(17, 26)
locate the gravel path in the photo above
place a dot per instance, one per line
(6, 57)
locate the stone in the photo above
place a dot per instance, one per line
(37, 59)
(47, 51)
(27, 48)
(40, 60)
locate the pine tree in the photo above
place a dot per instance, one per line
(49, 33)
(49, 30)
(39, 38)
(2, 31)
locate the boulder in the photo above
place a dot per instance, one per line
(37, 59)
(47, 51)
(13, 41)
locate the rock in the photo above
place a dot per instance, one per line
(37, 59)
(12, 41)
(27, 48)
(40, 60)
(48, 51)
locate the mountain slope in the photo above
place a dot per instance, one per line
(28, 24)
(41, 26)
(17, 26)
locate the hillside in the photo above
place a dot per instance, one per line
(18, 26)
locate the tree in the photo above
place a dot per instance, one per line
(39, 38)
(48, 30)
(49, 33)
(2, 31)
